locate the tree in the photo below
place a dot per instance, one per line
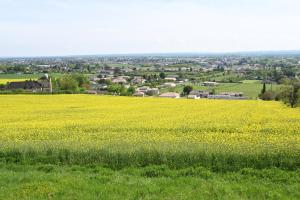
(162, 75)
(131, 90)
(290, 94)
(213, 91)
(262, 93)
(187, 89)
(67, 82)
(82, 80)
(263, 89)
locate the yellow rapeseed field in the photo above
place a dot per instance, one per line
(5, 81)
(126, 124)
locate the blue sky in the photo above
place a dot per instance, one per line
(77, 27)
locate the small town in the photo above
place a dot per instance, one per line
(168, 76)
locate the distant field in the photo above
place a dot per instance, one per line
(250, 88)
(20, 76)
(4, 81)
(25, 76)
(86, 146)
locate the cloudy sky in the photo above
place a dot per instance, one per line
(77, 27)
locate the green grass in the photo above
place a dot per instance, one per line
(250, 88)
(153, 182)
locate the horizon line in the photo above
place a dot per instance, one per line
(262, 52)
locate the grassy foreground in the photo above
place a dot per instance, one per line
(91, 147)
(152, 182)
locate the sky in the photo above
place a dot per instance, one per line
(85, 27)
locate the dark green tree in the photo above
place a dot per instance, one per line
(187, 89)
(162, 75)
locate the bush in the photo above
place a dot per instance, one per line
(268, 96)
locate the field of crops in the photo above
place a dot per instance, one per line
(4, 81)
(122, 131)
(104, 147)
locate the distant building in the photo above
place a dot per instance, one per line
(143, 89)
(119, 80)
(172, 95)
(149, 91)
(138, 80)
(46, 83)
(199, 93)
(152, 91)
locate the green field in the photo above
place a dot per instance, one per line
(250, 88)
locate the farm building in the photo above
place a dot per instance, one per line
(43, 84)
(199, 93)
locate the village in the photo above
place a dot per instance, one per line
(166, 76)
(168, 85)
(138, 84)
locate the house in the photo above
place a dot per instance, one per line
(138, 80)
(199, 93)
(28, 85)
(152, 91)
(119, 80)
(169, 85)
(43, 84)
(143, 89)
(149, 91)
(210, 84)
(172, 95)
